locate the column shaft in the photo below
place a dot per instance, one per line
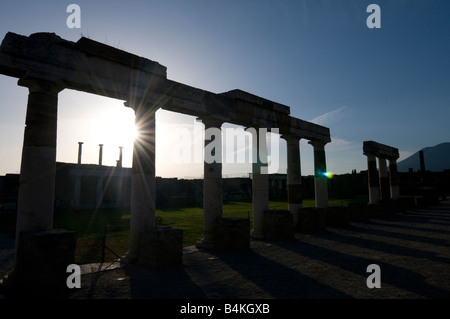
(384, 179)
(320, 179)
(143, 178)
(260, 182)
(294, 186)
(212, 181)
(393, 178)
(373, 181)
(38, 166)
(80, 150)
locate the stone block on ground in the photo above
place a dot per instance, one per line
(337, 216)
(278, 224)
(40, 267)
(358, 211)
(376, 210)
(232, 234)
(311, 220)
(160, 247)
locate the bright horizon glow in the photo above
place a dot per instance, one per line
(94, 120)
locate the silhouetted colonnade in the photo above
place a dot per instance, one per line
(47, 64)
(382, 185)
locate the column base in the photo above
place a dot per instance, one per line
(232, 234)
(256, 234)
(278, 224)
(40, 268)
(204, 244)
(129, 258)
(160, 247)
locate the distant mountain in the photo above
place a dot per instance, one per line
(436, 158)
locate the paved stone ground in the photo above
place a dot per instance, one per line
(412, 250)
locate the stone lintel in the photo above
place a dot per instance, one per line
(380, 150)
(309, 130)
(93, 67)
(254, 99)
(94, 48)
(86, 66)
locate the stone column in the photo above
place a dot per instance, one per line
(374, 185)
(119, 162)
(100, 155)
(38, 167)
(212, 181)
(384, 179)
(143, 178)
(320, 179)
(80, 150)
(260, 182)
(294, 182)
(393, 178)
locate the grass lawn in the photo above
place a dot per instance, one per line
(90, 225)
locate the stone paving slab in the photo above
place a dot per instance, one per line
(412, 250)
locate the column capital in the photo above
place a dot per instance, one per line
(141, 108)
(317, 144)
(290, 137)
(392, 160)
(38, 84)
(210, 121)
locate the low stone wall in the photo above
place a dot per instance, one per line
(160, 247)
(311, 220)
(358, 211)
(232, 234)
(429, 197)
(41, 263)
(278, 225)
(407, 203)
(376, 210)
(337, 216)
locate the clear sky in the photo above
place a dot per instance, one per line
(388, 84)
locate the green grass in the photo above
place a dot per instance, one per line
(90, 225)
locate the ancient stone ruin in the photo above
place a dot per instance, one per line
(381, 186)
(47, 64)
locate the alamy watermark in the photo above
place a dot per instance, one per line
(374, 19)
(73, 280)
(374, 280)
(74, 19)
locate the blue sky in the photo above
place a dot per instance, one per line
(391, 85)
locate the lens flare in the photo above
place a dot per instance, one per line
(327, 174)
